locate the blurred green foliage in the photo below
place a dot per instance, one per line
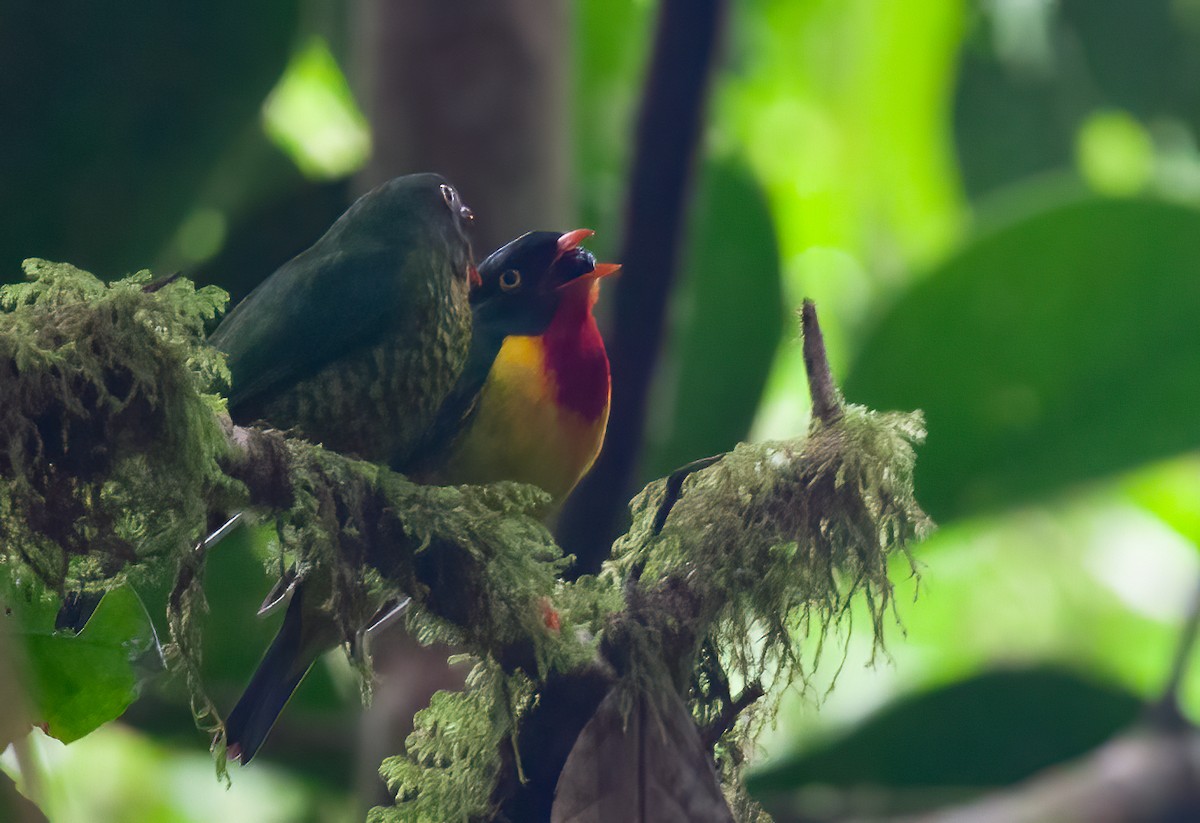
(991, 729)
(728, 316)
(313, 116)
(1067, 334)
(994, 205)
(112, 120)
(82, 682)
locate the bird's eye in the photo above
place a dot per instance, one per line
(510, 280)
(456, 205)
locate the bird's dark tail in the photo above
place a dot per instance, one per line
(287, 660)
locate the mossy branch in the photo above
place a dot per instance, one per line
(474, 558)
(116, 425)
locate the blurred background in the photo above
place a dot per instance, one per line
(995, 204)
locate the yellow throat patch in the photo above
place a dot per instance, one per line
(521, 432)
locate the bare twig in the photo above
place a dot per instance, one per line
(669, 129)
(729, 715)
(826, 400)
(675, 488)
(826, 403)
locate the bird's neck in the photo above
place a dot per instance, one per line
(575, 355)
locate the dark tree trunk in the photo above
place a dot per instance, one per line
(478, 91)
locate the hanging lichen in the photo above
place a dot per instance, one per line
(108, 438)
(774, 540)
(781, 535)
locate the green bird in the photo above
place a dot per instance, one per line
(531, 287)
(354, 343)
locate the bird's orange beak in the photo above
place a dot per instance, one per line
(603, 270)
(572, 239)
(570, 242)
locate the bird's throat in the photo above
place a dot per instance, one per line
(574, 356)
(544, 408)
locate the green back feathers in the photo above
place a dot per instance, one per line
(377, 307)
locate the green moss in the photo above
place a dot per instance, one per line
(111, 453)
(779, 535)
(495, 565)
(774, 541)
(108, 440)
(775, 538)
(452, 760)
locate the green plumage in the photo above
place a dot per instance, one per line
(356, 341)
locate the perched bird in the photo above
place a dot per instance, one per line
(355, 343)
(535, 357)
(532, 402)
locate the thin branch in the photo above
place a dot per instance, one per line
(445, 578)
(729, 715)
(675, 488)
(668, 133)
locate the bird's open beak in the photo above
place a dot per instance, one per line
(572, 239)
(584, 268)
(604, 270)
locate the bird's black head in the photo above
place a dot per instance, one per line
(522, 282)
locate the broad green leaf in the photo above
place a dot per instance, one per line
(609, 49)
(993, 729)
(115, 115)
(1060, 348)
(76, 683)
(727, 319)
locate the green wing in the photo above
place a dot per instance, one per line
(367, 276)
(314, 310)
